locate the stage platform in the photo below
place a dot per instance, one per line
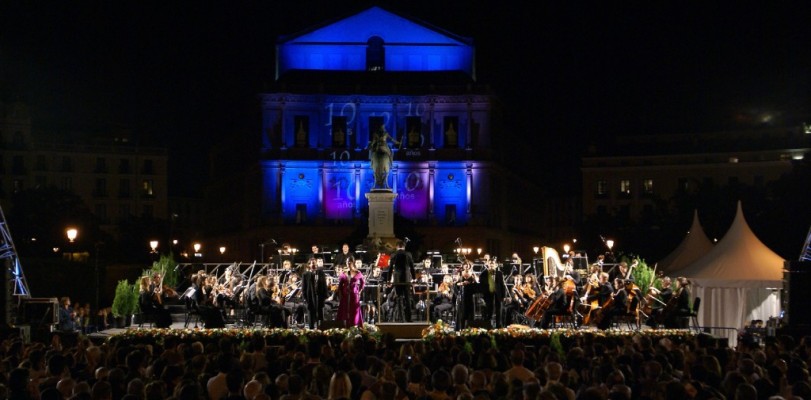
(398, 332)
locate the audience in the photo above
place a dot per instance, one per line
(469, 368)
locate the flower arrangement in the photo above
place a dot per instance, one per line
(272, 335)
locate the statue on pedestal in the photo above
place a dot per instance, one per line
(381, 157)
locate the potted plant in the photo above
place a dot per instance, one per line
(125, 303)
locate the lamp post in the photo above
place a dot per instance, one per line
(535, 250)
(153, 245)
(222, 253)
(610, 244)
(72, 234)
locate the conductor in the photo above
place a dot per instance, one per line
(402, 271)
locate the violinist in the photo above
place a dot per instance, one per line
(678, 308)
(162, 292)
(658, 299)
(149, 306)
(293, 300)
(530, 287)
(464, 289)
(276, 311)
(334, 298)
(442, 302)
(517, 301)
(562, 301)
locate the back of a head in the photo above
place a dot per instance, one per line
(459, 374)
(102, 391)
(517, 357)
(441, 380)
(746, 392)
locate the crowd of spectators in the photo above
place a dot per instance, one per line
(369, 367)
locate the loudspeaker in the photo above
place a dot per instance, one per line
(212, 317)
(403, 330)
(796, 302)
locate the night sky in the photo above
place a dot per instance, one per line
(185, 75)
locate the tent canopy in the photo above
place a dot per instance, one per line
(694, 246)
(740, 259)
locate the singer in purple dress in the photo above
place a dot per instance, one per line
(350, 285)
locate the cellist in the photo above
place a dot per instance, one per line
(563, 301)
(598, 297)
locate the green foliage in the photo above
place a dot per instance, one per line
(165, 266)
(644, 276)
(125, 302)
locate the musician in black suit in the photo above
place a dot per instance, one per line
(402, 272)
(314, 290)
(345, 254)
(491, 286)
(463, 292)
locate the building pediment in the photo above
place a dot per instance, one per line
(375, 40)
(392, 28)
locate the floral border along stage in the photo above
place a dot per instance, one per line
(439, 330)
(271, 335)
(436, 331)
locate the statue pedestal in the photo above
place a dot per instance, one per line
(381, 214)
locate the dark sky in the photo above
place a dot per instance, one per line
(185, 74)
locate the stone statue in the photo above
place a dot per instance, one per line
(381, 157)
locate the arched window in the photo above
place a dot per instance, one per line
(375, 54)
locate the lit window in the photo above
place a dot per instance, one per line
(625, 186)
(602, 188)
(647, 186)
(148, 189)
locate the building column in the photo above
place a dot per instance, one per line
(431, 173)
(469, 137)
(469, 206)
(321, 184)
(281, 192)
(431, 125)
(356, 212)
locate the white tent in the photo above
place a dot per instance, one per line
(694, 246)
(737, 281)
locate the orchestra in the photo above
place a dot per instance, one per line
(400, 287)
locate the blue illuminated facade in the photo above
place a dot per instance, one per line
(337, 83)
(315, 165)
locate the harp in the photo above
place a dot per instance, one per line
(551, 263)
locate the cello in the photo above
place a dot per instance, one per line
(594, 305)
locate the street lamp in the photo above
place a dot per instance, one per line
(610, 244)
(153, 244)
(566, 248)
(535, 250)
(196, 248)
(72, 234)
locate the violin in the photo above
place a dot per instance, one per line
(529, 291)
